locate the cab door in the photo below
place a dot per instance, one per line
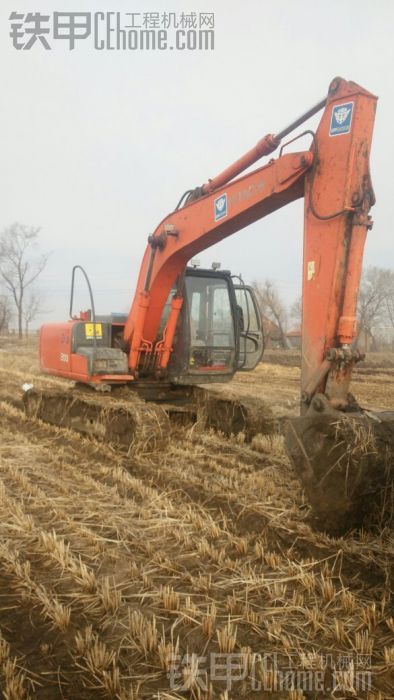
(251, 339)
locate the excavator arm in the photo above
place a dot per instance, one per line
(333, 177)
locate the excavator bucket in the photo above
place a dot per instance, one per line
(345, 462)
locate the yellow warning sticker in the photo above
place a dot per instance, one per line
(89, 330)
(311, 270)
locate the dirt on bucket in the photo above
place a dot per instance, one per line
(346, 465)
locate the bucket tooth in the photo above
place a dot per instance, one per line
(345, 462)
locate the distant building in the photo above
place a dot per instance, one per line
(294, 338)
(380, 339)
(272, 334)
(365, 341)
(5, 329)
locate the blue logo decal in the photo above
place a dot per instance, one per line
(220, 205)
(341, 119)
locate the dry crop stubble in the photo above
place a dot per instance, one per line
(203, 547)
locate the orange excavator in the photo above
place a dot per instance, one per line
(190, 326)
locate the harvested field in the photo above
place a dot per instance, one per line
(277, 381)
(166, 571)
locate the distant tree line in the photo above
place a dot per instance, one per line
(375, 311)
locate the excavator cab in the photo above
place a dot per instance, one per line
(218, 331)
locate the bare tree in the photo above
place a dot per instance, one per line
(390, 302)
(32, 308)
(296, 312)
(375, 301)
(273, 308)
(19, 265)
(5, 313)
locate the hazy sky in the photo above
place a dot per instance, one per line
(97, 146)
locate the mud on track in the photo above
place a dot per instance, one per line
(114, 567)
